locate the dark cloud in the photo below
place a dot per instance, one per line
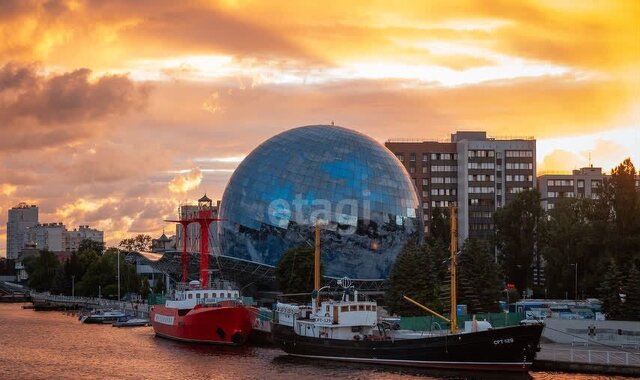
(65, 98)
(38, 110)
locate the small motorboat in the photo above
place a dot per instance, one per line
(129, 321)
(101, 316)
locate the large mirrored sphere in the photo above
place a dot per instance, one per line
(352, 185)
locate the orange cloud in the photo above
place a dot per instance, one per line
(126, 94)
(185, 182)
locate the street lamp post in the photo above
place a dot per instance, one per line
(73, 285)
(576, 280)
(118, 275)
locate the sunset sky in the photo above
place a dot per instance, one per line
(111, 113)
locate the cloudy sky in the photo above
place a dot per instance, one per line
(112, 113)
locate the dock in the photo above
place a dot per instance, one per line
(44, 301)
(594, 358)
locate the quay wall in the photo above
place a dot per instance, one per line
(587, 332)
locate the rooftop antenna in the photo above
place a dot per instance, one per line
(590, 164)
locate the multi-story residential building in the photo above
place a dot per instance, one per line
(475, 172)
(49, 236)
(580, 183)
(21, 217)
(55, 237)
(75, 237)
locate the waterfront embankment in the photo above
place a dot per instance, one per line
(67, 302)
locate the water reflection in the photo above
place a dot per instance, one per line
(51, 345)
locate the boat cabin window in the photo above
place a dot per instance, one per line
(368, 308)
(360, 307)
(344, 308)
(190, 296)
(327, 308)
(205, 295)
(373, 308)
(353, 308)
(197, 295)
(228, 295)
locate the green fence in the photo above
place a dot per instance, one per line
(156, 299)
(429, 322)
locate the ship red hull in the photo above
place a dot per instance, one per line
(217, 324)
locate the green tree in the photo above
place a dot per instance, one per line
(102, 273)
(138, 243)
(610, 293)
(145, 289)
(479, 279)
(42, 270)
(517, 227)
(625, 197)
(440, 226)
(631, 289)
(91, 245)
(417, 273)
(567, 241)
(158, 288)
(294, 272)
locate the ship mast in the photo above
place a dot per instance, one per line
(454, 251)
(316, 268)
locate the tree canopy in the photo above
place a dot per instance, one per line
(480, 280)
(294, 272)
(518, 225)
(138, 243)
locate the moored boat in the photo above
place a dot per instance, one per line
(131, 322)
(198, 315)
(101, 316)
(349, 330)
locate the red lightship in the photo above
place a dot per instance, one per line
(198, 312)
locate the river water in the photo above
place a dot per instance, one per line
(52, 345)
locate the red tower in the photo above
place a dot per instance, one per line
(204, 218)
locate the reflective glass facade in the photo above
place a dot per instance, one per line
(347, 180)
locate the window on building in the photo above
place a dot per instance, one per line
(400, 157)
(425, 157)
(425, 181)
(580, 184)
(412, 157)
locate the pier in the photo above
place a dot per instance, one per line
(600, 359)
(59, 302)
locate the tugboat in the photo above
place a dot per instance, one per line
(349, 330)
(199, 313)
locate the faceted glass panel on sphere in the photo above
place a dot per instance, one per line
(352, 185)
